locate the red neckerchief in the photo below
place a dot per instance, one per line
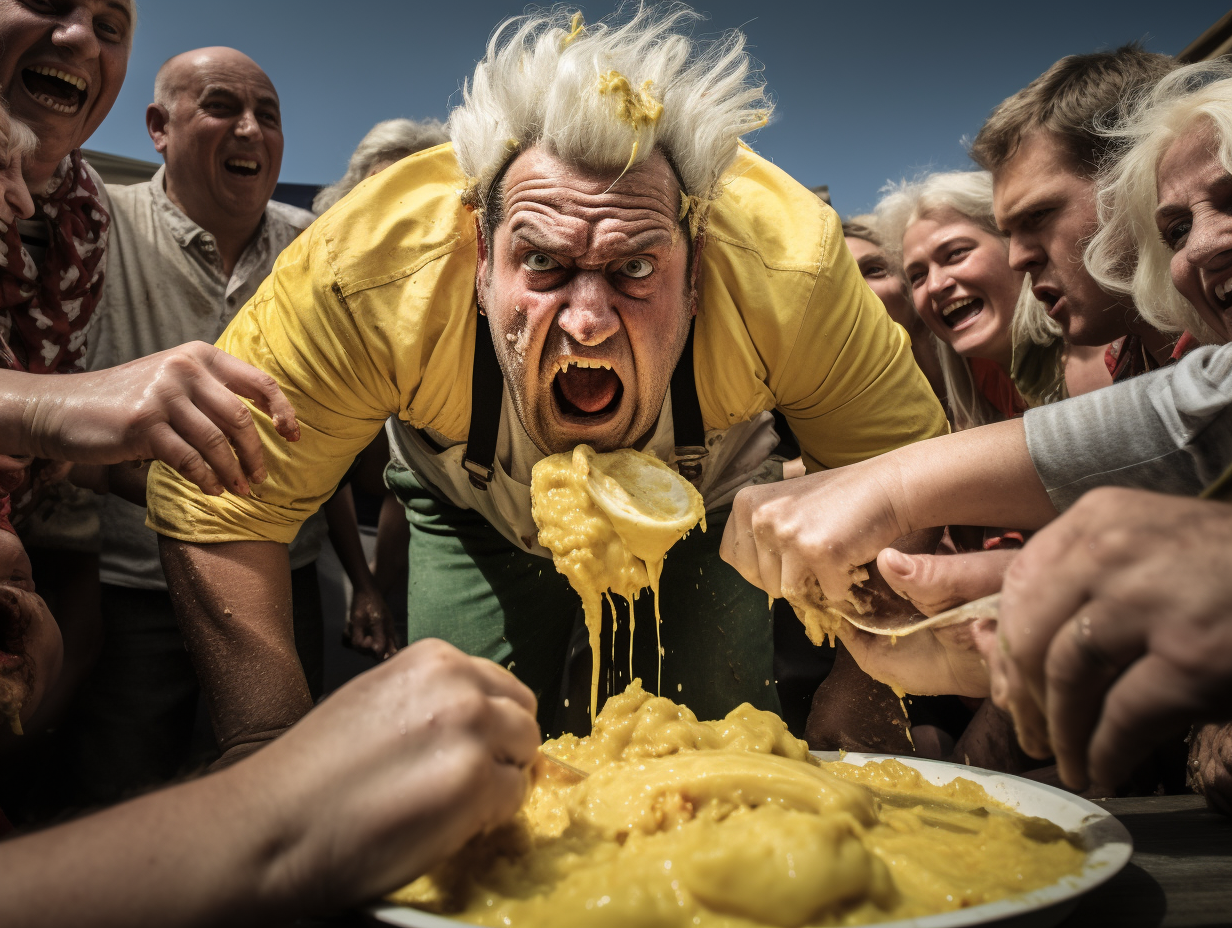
(44, 311)
(1127, 357)
(997, 387)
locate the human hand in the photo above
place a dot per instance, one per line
(936, 582)
(1210, 765)
(934, 661)
(807, 539)
(369, 626)
(1116, 630)
(394, 772)
(179, 406)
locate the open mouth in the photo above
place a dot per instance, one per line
(1223, 294)
(55, 89)
(242, 166)
(961, 311)
(587, 391)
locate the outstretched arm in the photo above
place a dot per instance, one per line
(814, 533)
(180, 406)
(389, 775)
(233, 603)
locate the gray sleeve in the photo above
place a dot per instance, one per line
(1168, 431)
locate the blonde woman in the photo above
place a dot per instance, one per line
(1000, 353)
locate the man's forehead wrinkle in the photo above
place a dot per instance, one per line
(574, 236)
(570, 200)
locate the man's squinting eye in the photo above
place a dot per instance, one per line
(538, 261)
(636, 267)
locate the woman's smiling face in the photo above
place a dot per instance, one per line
(962, 284)
(1195, 221)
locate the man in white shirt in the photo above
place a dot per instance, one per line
(188, 249)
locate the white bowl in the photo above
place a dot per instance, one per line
(1108, 846)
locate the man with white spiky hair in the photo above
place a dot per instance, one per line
(595, 258)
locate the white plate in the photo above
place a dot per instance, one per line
(1107, 843)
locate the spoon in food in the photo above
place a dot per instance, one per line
(988, 607)
(553, 759)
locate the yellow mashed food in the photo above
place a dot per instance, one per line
(609, 520)
(732, 824)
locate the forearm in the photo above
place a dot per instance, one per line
(981, 476)
(1169, 431)
(344, 536)
(393, 537)
(208, 852)
(233, 604)
(21, 396)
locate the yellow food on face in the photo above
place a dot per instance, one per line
(731, 824)
(609, 520)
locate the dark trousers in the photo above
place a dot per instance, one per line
(133, 723)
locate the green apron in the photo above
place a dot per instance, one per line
(473, 588)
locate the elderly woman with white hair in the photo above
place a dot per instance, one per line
(595, 259)
(1000, 353)
(1165, 237)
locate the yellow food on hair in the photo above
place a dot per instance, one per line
(732, 824)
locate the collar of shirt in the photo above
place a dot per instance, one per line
(192, 238)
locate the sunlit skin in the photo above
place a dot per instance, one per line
(962, 284)
(31, 650)
(587, 267)
(87, 39)
(225, 118)
(1048, 212)
(1194, 218)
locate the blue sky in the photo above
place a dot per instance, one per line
(864, 91)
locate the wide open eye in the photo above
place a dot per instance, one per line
(538, 261)
(636, 267)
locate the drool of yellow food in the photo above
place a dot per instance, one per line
(609, 520)
(732, 824)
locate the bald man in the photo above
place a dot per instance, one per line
(188, 249)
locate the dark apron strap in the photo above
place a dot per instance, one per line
(487, 388)
(689, 432)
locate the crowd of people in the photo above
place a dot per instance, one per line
(1014, 378)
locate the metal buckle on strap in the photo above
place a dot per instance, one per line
(480, 476)
(689, 460)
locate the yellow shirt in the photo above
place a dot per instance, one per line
(371, 313)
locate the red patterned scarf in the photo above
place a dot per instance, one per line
(45, 311)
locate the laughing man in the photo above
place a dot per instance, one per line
(595, 258)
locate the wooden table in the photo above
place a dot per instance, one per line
(1180, 874)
